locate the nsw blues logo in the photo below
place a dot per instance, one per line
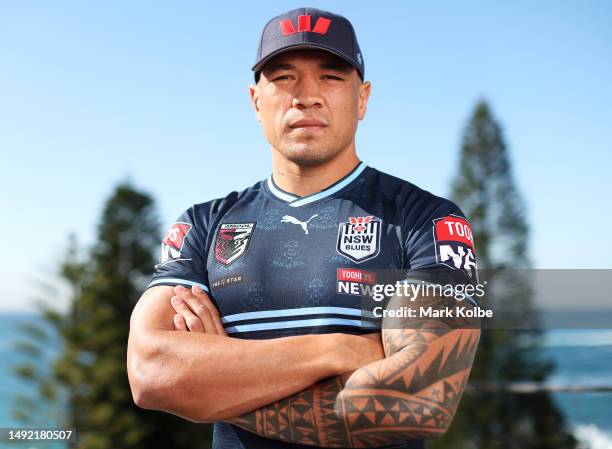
(359, 239)
(232, 241)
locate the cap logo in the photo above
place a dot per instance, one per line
(321, 25)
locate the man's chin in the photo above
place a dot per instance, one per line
(309, 158)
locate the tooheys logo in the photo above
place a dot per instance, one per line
(359, 239)
(455, 243)
(173, 242)
(352, 281)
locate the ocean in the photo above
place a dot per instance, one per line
(582, 357)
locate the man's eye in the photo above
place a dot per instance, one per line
(332, 77)
(282, 77)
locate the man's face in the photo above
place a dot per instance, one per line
(309, 103)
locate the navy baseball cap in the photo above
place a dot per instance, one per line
(309, 28)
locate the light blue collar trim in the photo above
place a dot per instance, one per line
(297, 201)
(279, 193)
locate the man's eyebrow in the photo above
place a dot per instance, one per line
(339, 66)
(279, 66)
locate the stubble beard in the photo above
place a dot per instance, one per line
(310, 155)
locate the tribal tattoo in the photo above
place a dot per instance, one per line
(412, 393)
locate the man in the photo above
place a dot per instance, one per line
(252, 319)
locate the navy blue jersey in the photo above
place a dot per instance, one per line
(276, 264)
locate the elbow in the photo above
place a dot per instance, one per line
(142, 398)
(151, 388)
(144, 388)
(149, 382)
(144, 394)
(156, 388)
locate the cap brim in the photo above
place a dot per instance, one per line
(303, 46)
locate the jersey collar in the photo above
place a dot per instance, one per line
(297, 201)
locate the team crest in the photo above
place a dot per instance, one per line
(173, 242)
(359, 239)
(455, 244)
(232, 241)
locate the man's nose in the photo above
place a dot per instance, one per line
(306, 94)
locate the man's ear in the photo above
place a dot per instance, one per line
(254, 93)
(364, 94)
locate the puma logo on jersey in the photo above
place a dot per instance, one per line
(303, 224)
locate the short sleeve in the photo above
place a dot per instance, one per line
(440, 245)
(182, 259)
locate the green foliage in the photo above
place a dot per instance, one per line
(495, 418)
(85, 386)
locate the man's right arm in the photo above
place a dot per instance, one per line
(204, 377)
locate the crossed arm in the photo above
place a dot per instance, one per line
(412, 392)
(205, 376)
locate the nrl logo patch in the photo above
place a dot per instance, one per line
(232, 241)
(359, 239)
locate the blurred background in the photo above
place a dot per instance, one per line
(115, 117)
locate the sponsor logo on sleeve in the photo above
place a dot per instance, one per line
(353, 281)
(232, 241)
(173, 242)
(455, 244)
(359, 238)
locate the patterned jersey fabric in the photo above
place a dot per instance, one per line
(275, 264)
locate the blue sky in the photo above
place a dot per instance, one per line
(157, 92)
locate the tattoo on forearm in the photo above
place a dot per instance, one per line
(417, 390)
(412, 393)
(307, 417)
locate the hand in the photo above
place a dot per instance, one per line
(195, 311)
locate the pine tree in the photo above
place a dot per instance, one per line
(89, 376)
(485, 190)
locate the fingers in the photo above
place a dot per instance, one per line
(197, 310)
(179, 323)
(193, 322)
(202, 296)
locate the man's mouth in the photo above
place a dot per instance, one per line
(307, 124)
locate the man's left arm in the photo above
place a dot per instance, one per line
(412, 393)
(415, 390)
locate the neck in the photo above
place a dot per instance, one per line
(305, 180)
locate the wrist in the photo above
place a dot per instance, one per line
(335, 353)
